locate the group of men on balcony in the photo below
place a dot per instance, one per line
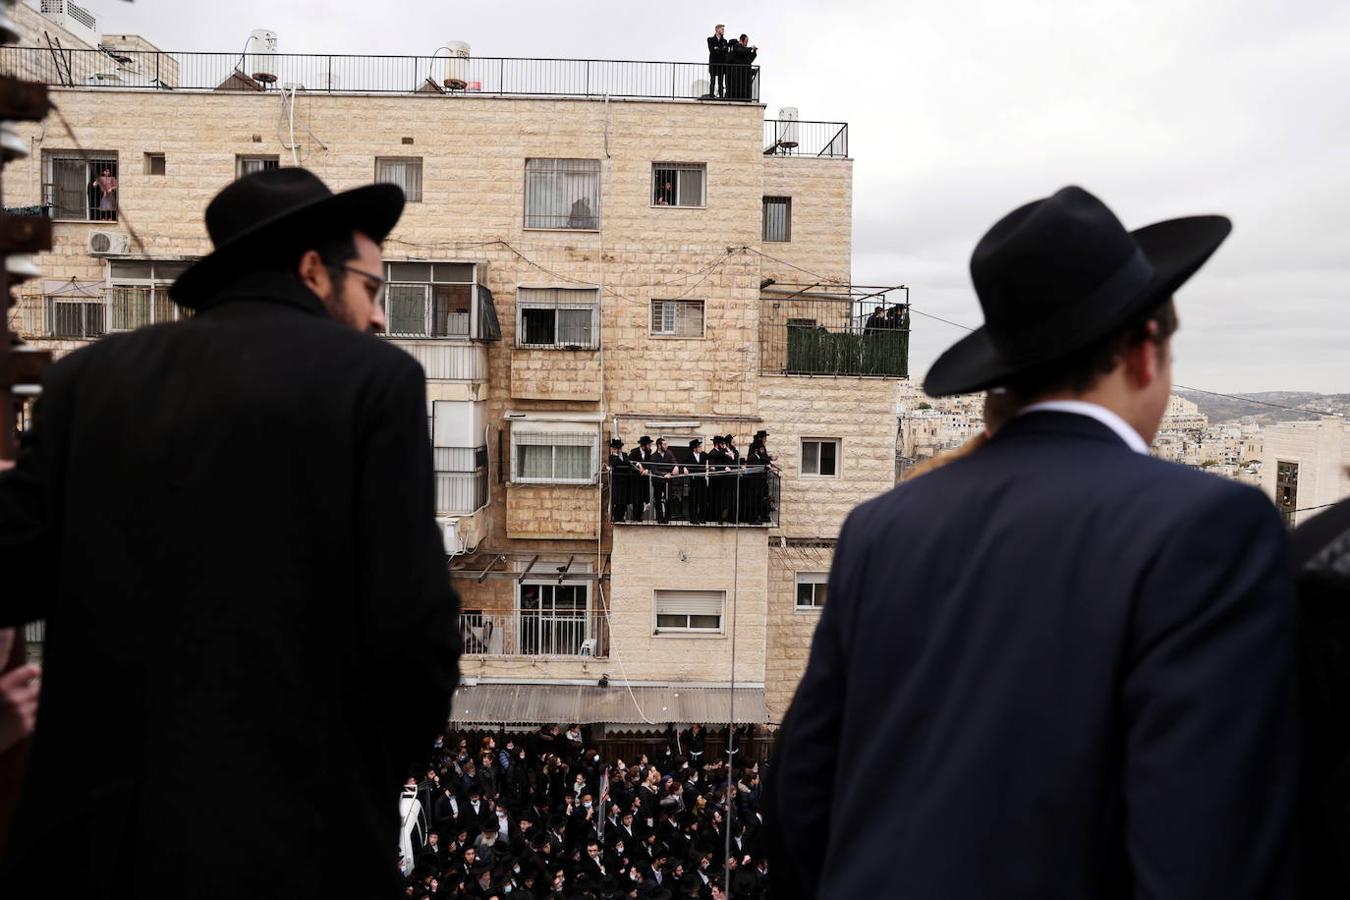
(730, 76)
(717, 486)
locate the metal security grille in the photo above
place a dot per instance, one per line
(138, 293)
(777, 219)
(1286, 491)
(558, 317)
(562, 193)
(79, 187)
(247, 165)
(404, 171)
(554, 457)
(678, 184)
(677, 318)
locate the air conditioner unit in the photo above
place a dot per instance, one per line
(109, 243)
(450, 534)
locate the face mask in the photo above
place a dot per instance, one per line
(515, 869)
(587, 805)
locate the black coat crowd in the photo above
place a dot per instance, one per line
(542, 816)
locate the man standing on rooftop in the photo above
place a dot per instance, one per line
(718, 51)
(1077, 676)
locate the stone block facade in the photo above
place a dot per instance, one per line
(555, 375)
(568, 512)
(790, 629)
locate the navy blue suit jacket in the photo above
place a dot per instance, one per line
(1055, 668)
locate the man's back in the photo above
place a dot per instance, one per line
(251, 629)
(1072, 682)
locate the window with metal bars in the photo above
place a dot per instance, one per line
(564, 318)
(81, 186)
(777, 219)
(138, 293)
(562, 194)
(554, 457)
(677, 318)
(679, 184)
(426, 299)
(404, 171)
(247, 165)
(1286, 490)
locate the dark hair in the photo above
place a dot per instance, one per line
(1082, 369)
(745, 37)
(334, 248)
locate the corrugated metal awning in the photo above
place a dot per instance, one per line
(541, 704)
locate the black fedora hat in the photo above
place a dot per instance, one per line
(260, 209)
(1060, 274)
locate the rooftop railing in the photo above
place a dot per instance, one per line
(791, 137)
(812, 334)
(689, 494)
(535, 632)
(437, 74)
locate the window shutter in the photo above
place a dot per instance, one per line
(690, 603)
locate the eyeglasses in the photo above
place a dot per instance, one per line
(375, 285)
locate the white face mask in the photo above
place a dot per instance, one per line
(587, 805)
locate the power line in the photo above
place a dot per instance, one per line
(1324, 412)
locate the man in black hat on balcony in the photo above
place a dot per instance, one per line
(641, 457)
(1077, 674)
(698, 482)
(622, 474)
(229, 524)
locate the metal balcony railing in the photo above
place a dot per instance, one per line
(685, 494)
(533, 632)
(790, 137)
(803, 334)
(434, 74)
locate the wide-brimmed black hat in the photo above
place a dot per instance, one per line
(1058, 275)
(616, 442)
(761, 433)
(644, 440)
(696, 442)
(275, 205)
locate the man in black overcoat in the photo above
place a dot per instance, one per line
(229, 525)
(698, 482)
(740, 74)
(1076, 673)
(718, 51)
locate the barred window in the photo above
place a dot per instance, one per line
(777, 219)
(562, 193)
(81, 186)
(678, 184)
(558, 317)
(404, 171)
(247, 165)
(689, 611)
(138, 293)
(677, 318)
(554, 457)
(429, 299)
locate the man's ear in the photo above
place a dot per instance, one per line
(314, 274)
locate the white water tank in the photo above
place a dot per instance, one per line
(260, 56)
(787, 126)
(457, 65)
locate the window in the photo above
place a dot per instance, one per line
(811, 589)
(820, 456)
(404, 171)
(138, 293)
(75, 309)
(553, 620)
(558, 317)
(562, 193)
(426, 299)
(154, 164)
(678, 184)
(1286, 490)
(677, 318)
(247, 165)
(689, 611)
(551, 453)
(777, 218)
(81, 186)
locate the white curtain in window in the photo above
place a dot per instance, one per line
(689, 187)
(534, 461)
(406, 173)
(562, 193)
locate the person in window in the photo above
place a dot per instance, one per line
(581, 215)
(741, 58)
(665, 194)
(106, 185)
(718, 51)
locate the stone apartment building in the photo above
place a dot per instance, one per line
(583, 256)
(1306, 466)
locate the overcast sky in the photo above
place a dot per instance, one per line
(960, 111)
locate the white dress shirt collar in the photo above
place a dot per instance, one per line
(1093, 411)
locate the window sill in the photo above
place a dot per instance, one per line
(807, 610)
(678, 337)
(562, 228)
(773, 241)
(676, 206)
(574, 348)
(833, 477)
(700, 635)
(520, 482)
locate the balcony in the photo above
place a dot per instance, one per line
(532, 632)
(745, 496)
(461, 480)
(818, 333)
(820, 140)
(331, 73)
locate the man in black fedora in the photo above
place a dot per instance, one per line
(1077, 675)
(229, 525)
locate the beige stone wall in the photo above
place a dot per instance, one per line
(647, 559)
(1322, 451)
(822, 217)
(551, 511)
(860, 412)
(790, 629)
(555, 374)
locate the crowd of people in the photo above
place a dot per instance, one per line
(730, 76)
(543, 815)
(690, 484)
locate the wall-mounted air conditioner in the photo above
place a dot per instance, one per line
(109, 243)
